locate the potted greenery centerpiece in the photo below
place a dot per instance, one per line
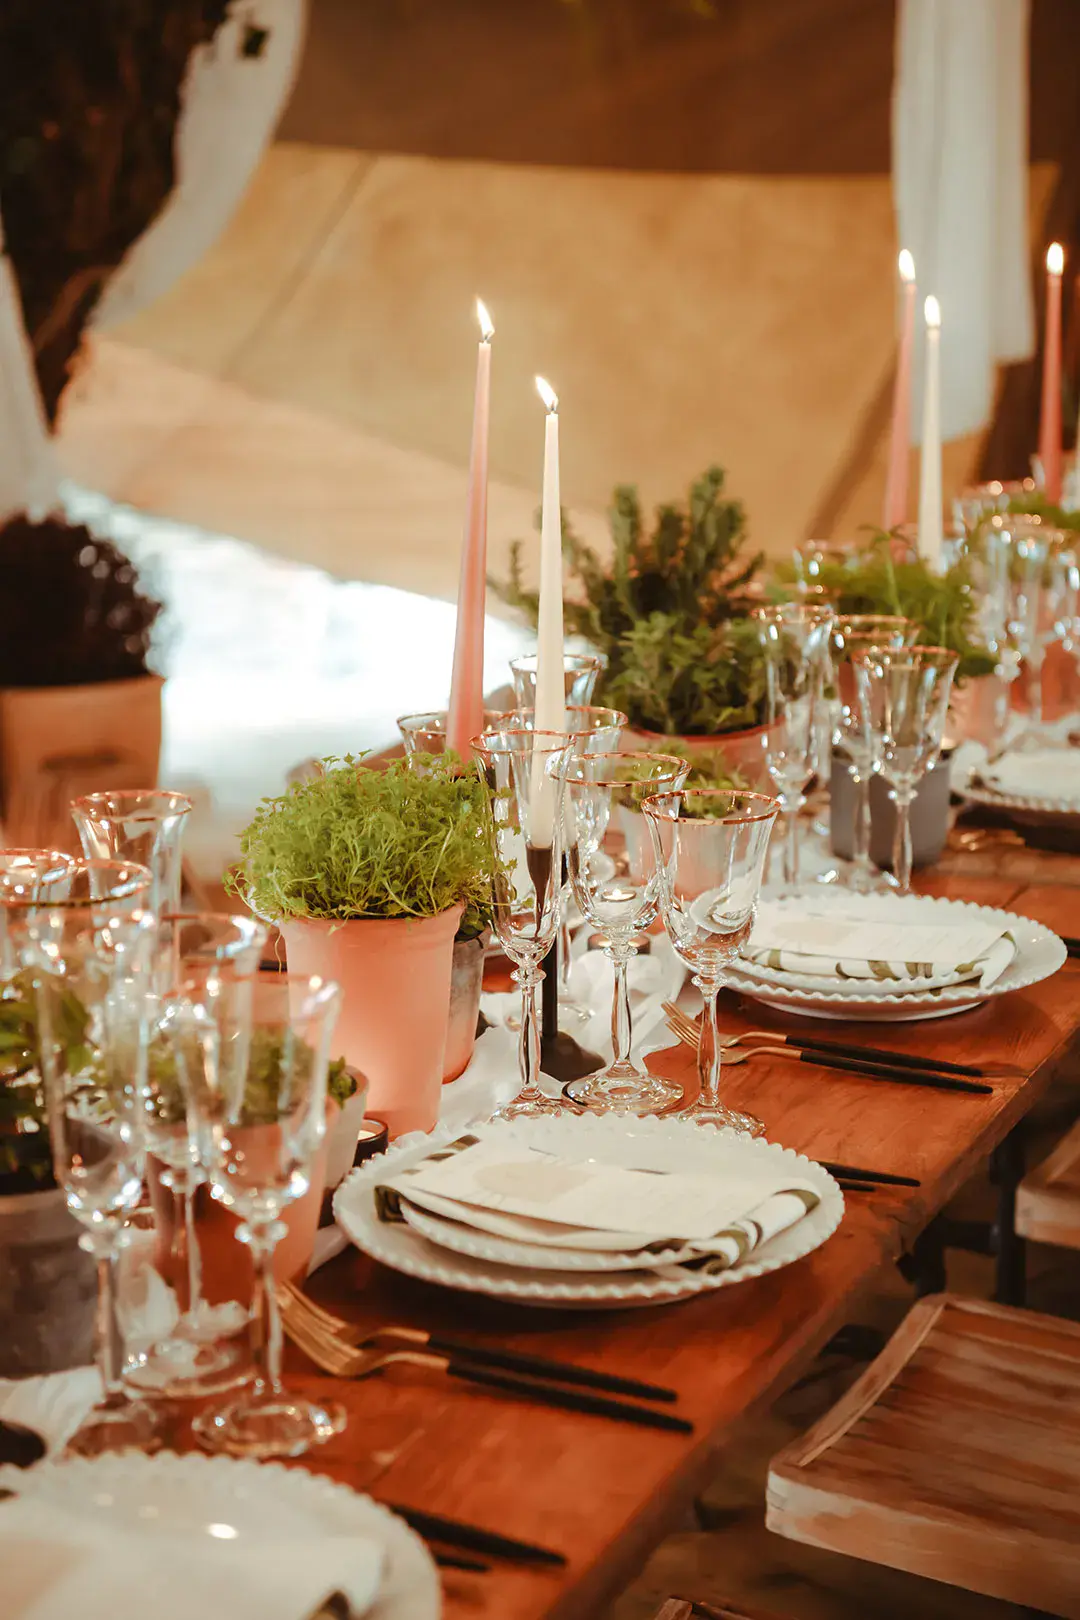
(48, 1287)
(669, 612)
(371, 874)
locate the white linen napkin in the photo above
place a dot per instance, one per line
(1046, 773)
(54, 1404)
(864, 938)
(58, 1564)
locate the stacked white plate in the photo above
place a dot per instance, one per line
(431, 1244)
(1041, 787)
(1038, 953)
(125, 1533)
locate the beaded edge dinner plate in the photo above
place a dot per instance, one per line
(129, 1486)
(1038, 810)
(668, 1143)
(1039, 953)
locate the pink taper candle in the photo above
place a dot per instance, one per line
(1050, 421)
(465, 719)
(896, 483)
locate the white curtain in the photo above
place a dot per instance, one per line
(28, 472)
(960, 164)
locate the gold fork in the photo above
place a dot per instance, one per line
(297, 1306)
(345, 1361)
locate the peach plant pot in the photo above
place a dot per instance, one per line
(466, 983)
(743, 751)
(57, 742)
(395, 976)
(227, 1272)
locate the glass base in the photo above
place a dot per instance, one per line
(269, 1426)
(531, 1105)
(700, 1113)
(625, 1091)
(573, 1015)
(182, 1368)
(121, 1426)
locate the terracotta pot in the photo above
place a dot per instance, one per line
(395, 979)
(972, 710)
(57, 742)
(227, 1272)
(48, 1287)
(466, 983)
(743, 751)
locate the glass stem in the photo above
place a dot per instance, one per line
(622, 1026)
(185, 1202)
(709, 1044)
(566, 946)
(791, 804)
(529, 978)
(1034, 688)
(902, 798)
(1002, 704)
(108, 1339)
(860, 837)
(265, 1317)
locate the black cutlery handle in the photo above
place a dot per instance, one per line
(562, 1372)
(474, 1538)
(903, 1077)
(879, 1054)
(474, 1566)
(569, 1400)
(851, 1172)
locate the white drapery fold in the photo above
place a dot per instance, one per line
(960, 167)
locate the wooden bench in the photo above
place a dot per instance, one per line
(1048, 1199)
(955, 1456)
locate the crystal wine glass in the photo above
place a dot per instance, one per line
(620, 904)
(849, 634)
(140, 824)
(581, 672)
(197, 1358)
(526, 829)
(592, 730)
(87, 946)
(710, 846)
(426, 733)
(252, 1057)
(794, 637)
(904, 698)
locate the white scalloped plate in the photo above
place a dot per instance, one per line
(1039, 953)
(650, 1143)
(1036, 811)
(167, 1492)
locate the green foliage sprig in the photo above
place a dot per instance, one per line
(666, 611)
(1058, 517)
(407, 841)
(873, 581)
(266, 1070)
(25, 1152)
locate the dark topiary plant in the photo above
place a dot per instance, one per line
(74, 609)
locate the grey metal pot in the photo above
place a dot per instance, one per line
(48, 1287)
(929, 816)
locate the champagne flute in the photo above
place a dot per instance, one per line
(145, 825)
(710, 846)
(252, 1057)
(904, 698)
(87, 947)
(526, 830)
(794, 639)
(581, 671)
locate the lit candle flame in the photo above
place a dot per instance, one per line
(932, 311)
(487, 329)
(907, 265)
(1055, 258)
(547, 394)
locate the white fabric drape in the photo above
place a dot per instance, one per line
(960, 164)
(28, 471)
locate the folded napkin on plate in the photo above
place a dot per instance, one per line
(54, 1404)
(57, 1564)
(1045, 773)
(589, 1207)
(870, 942)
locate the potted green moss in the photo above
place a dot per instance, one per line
(47, 1283)
(371, 875)
(668, 609)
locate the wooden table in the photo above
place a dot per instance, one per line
(604, 1493)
